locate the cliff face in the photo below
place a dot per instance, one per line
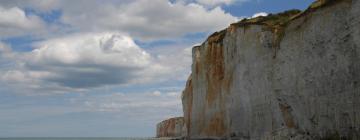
(172, 127)
(287, 76)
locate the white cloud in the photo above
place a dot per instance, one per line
(14, 21)
(111, 49)
(89, 60)
(259, 14)
(156, 93)
(216, 2)
(83, 60)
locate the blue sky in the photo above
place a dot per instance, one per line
(94, 68)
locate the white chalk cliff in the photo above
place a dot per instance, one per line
(294, 75)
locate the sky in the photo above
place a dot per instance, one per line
(114, 68)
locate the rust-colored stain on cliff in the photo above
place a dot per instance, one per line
(188, 93)
(217, 81)
(216, 126)
(215, 75)
(287, 116)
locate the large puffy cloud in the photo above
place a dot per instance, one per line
(86, 60)
(90, 60)
(112, 49)
(14, 21)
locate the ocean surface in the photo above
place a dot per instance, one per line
(83, 138)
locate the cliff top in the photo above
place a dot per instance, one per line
(274, 21)
(270, 20)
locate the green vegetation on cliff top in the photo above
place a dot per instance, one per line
(271, 20)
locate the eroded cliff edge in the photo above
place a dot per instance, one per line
(294, 75)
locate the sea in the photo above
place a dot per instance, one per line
(82, 138)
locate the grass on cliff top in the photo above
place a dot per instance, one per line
(271, 19)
